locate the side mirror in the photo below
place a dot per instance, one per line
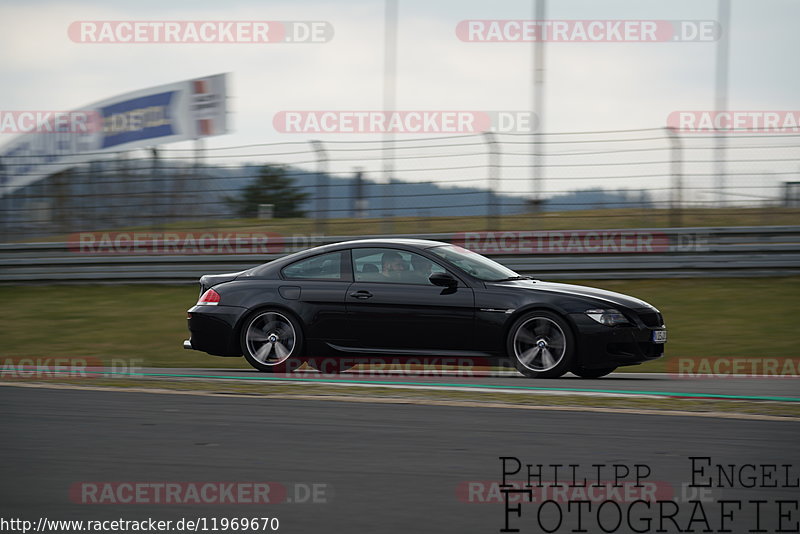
(443, 280)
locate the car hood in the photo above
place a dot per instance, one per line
(616, 299)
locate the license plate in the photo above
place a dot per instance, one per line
(659, 336)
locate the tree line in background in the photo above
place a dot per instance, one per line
(273, 187)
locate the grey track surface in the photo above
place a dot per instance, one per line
(390, 467)
(631, 382)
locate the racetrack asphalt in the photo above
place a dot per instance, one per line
(381, 467)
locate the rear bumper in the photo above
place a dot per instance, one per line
(213, 330)
(602, 346)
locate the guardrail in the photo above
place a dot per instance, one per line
(586, 254)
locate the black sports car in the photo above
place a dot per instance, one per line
(415, 298)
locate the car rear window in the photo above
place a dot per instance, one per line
(323, 267)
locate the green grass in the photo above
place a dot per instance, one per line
(106, 322)
(743, 317)
(751, 317)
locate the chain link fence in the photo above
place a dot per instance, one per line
(648, 178)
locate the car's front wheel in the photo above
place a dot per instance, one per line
(272, 341)
(541, 345)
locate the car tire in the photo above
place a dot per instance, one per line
(272, 341)
(541, 345)
(583, 372)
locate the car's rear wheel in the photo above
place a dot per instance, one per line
(272, 341)
(583, 372)
(541, 345)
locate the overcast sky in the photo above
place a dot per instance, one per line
(589, 86)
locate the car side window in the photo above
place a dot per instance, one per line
(322, 267)
(393, 266)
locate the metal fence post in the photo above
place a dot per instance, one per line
(5, 203)
(175, 183)
(721, 80)
(91, 189)
(201, 177)
(676, 190)
(389, 95)
(493, 174)
(537, 105)
(62, 216)
(320, 189)
(359, 202)
(123, 185)
(157, 208)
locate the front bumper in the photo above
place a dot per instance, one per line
(213, 329)
(603, 346)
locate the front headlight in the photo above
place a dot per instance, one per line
(609, 317)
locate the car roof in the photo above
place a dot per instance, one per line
(420, 243)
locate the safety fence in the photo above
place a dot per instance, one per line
(135, 257)
(489, 175)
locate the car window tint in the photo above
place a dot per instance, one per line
(322, 267)
(476, 265)
(393, 266)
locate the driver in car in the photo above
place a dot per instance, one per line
(392, 265)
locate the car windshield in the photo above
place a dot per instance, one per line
(475, 264)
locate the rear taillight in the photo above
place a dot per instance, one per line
(209, 298)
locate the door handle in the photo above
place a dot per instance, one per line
(361, 294)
